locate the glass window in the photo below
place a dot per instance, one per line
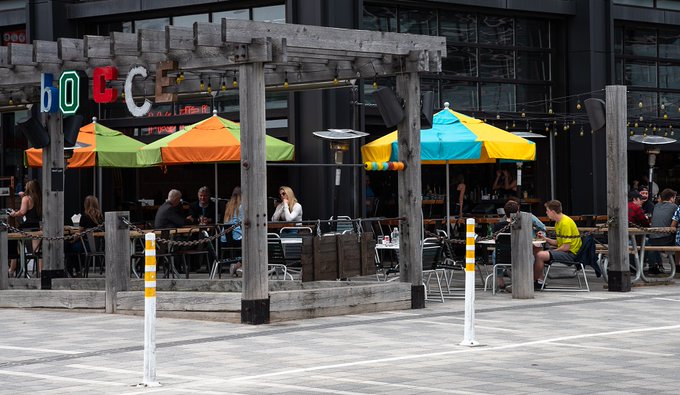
(534, 98)
(495, 63)
(669, 44)
(235, 14)
(498, 97)
(430, 84)
(382, 19)
(418, 22)
(152, 24)
(671, 102)
(669, 76)
(640, 3)
(532, 33)
(533, 66)
(496, 30)
(188, 20)
(274, 13)
(458, 28)
(640, 42)
(618, 40)
(460, 61)
(618, 71)
(640, 73)
(460, 95)
(668, 4)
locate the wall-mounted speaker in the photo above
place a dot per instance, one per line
(389, 105)
(35, 132)
(597, 113)
(427, 110)
(71, 126)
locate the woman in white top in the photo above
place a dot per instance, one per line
(289, 209)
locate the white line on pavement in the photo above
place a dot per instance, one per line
(419, 388)
(59, 378)
(668, 299)
(45, 350)
(617, 350)
(461, 324)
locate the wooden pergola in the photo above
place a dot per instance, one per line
(260, 55)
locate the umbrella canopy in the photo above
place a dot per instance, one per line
(104, 147)
(210, 141)
(456, 138)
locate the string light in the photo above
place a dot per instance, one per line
(224, 85)
(180, 77)
(375, 82)
(663, 107)
(524, 114)
(580, 133)
(550, 110)
(209, 86)
(578, 103)
(201, 85)
(632, 133)
(498, 116)
(670, 128)
(640, 105)
(234, 81)
(642, 118)
(285, 79)
(665, 115)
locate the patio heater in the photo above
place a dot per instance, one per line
(652, 149)
(528, 136)
(339, 140)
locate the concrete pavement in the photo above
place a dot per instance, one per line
(559, 342)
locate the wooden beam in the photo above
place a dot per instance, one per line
(125, 44)
(117, 256)
(617, 208)
(71, 49)
(409, 188)
(255, 302)
(46, 52)
(152, 41)
(97, 47)
(53, 200)
(20, 54)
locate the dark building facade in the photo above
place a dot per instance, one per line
(521, 65)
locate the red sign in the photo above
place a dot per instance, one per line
(183, 110)
(14, 36)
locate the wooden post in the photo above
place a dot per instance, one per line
(255, 297)
(617, 208)
(522, 258)
(53, 202)
(410, 196)
(4, 259)
(117, 256)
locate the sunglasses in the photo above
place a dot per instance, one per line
(282, 194)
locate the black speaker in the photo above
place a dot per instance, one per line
(71, 126)
(389, 106)
(597, 114)
(35, 132)
(426, 110)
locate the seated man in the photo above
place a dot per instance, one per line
(169, 214)
(202, 212)
(662, 217)
(568, 241)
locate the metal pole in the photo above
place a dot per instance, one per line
(519, 184)
(150, 311)
(336, 190)
(469, 332)
(448, 202)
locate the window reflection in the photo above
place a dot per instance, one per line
(382, 19)
(532, 33)
(188, 20)
(460, 61)
(669, 44)
(152, 24)
(460, 95)
(496, 30)
(533, 66)
(669, 76)
(640, 73)
(234, 14)
(458, 28)
(495, 63)
(274, 14)
(640, 42)
(498, 97)
(418, 22)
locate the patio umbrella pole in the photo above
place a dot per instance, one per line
(519, 184)
(448, 202)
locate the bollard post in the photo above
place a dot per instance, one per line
(4, 259)
(150, 311)
(522, 258)
(116, 256)
(469, 333)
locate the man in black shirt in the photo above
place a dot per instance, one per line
(169, 214)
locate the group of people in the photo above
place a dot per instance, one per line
(665, 213)
(30, 215)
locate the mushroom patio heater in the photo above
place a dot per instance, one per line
(652, 149)
(339, 140)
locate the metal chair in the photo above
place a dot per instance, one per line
(94, 253)
(577, 268)
(198, 251)
(502, 261)
(277, 262)
(431, 258)
(217, 262)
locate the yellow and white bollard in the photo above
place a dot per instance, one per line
(469, 334)
(150, 311)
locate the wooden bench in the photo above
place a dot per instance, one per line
(602, 252)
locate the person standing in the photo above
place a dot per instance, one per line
(568, 241)
(169, 214)
(289, 209)
(663, 217)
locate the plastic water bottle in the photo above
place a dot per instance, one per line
(395, 236)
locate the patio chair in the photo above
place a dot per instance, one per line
(198, 252)
(94, 253)
(503, 260)
(431, 258)
(577, 268)
(217, 262)
(277, 262)
(344, 224)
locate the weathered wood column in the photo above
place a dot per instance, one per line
(117, 256)
(255, 297)
(53, 201)
(617, 207)
(408, 181)
(4, 259)
(522, 258)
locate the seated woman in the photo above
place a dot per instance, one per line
(289, 209)
(233, 214)
(505, 183)
(91, 218)
(31, 212)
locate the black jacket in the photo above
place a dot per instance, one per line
(168, 216)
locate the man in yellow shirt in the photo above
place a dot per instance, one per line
(568, 242)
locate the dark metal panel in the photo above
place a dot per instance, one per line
(564, 7)
(645, 15)
(13, 17)
(100, 8)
